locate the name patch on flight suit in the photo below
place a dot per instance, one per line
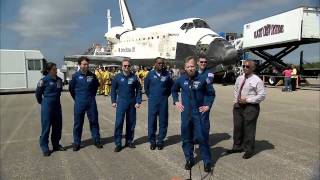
(122, 79)
(185, 83)
(155, 77)
(163, 78)
(210, 78)
(51, 83)
(80, 77)
(89, 78)
(130, 80)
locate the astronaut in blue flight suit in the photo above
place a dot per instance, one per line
(83, 89)
(125, 97)
(197, 96)
(48, 94)
(157, 87)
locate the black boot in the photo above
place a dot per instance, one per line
(189, 165)
(76, 147)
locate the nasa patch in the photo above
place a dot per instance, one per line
(80, 77)
(155, 77)
(122, 79)
(51, 83)
(210, 75)
(185, 83)
(163, 78)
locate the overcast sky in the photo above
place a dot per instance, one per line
(66, 27)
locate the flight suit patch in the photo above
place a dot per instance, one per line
(89, 78)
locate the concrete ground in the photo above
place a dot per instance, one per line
(287, 142)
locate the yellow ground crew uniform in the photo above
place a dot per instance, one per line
(99, 75)
(107, 80)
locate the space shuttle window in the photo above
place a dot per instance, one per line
(190, 25)
(184, 26)
(198, 23)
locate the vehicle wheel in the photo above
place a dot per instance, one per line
(272, 81)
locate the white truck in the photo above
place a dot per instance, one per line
(20, 69)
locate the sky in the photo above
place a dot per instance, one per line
(66, 27)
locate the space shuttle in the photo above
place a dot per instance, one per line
(173, 41)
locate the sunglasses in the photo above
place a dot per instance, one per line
(126, 65)
(203, 62)
(244, 66)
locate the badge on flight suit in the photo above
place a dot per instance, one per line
(185, 83)
(122, 79)
(196, 84)
(163, 78)
(80, 77)
(89, 78)
(210, 78)
(51, 83)
(130, 81)
(155, 77)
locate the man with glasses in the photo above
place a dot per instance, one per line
(126, 97)
(197, 96)
(249, 92)
(157, 87)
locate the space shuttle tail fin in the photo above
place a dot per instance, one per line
(125, 16)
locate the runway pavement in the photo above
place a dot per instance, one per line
(287, 142)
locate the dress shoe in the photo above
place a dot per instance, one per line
(160, 146)
(247, 155)
(153, 146)
(231, 151)
(117, 149)
(207, 168)
(46, 154)
(130, 145)
(59, 148)
(98, 145)
(76, 147)
(189, 165)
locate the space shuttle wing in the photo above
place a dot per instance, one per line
(97, 58)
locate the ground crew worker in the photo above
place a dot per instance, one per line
(83, 89)
(107, 82)
(197, 96)
(157, 86)
(125, 97)
(48, 94)
(99, 74)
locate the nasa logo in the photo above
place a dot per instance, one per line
(80, 77)
(122, 79)
(51, 83)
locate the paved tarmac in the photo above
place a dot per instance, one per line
(287, 142)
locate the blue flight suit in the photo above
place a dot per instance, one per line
(195, 92)
(48, 94)
(157, 89)
(126, 92)
(83, 89)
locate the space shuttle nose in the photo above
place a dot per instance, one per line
(221, 51)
